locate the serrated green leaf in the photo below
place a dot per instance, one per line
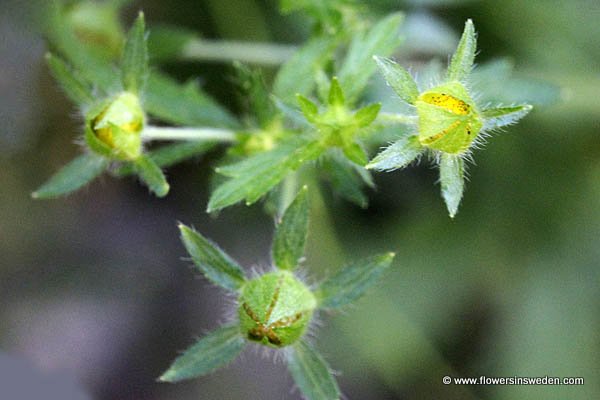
(462, 60)
(358, 67)
(502, 116)
(399, 79)
(151, 175)
(397, 155)
(311, 373)
(214, 264)
(355, 153)
(309, 109)
(187, 104)
(297, 75)
(452, 181)
(255, 176)
(134, 64)
(291, 233)
(336, 95)
(366, 115)
(347, 178)
(171, 154)
(76, 89)
(72, 176)
(352, 281)
(213, 351)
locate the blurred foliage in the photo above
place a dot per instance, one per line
(93, 285)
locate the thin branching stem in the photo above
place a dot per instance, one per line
(193, 134)
(246, 52)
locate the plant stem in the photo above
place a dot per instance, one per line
(396, 118)
(191, 134)
(248, 52)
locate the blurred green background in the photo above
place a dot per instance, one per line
(94, 294)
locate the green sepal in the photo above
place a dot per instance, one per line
(309, 109)
(213, 262)
(211, 352)
(452, 181)
(355, 153)
(253, 177)
(397, 155)
(291, 233)
(91, 140)
(399, 79)
(502, 116)
(462, 60)
(352, 281)
(311, 373)
(336, 95)
(75, 88)
(366, 115)
(72, 176)
(151, 175)
(358, 67)
(134, 63)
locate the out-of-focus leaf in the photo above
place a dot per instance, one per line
(213, 351)
(166, 43)
(462, 60)
(311, 373)
(358, 67)
(366, 115)
(291, 233)
(76, 89)
(72, 176)
(297, 75)
(352, 281)
(134, 63)
(186, 104)
(171, 154)
(347, 178)
(151, 175)
(502, 116)
(452, 181)
(255, 176)
(255, 89)
(355, 153)
(399, 79)
(397, 155)
(214, 264)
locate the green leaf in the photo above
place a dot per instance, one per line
(347, 178)
(398, 155)
(502, 116)
(72, 176)
(452, 181)
(358, 67)
(366, 115)
(255, 176)
(171, 154)
(134, 64)
(309, 109)
(291, 233)
(214, 264)
(255, 90)
(151, 175)
(399, 79)
(462, 60)
(297, 75)
(355, 153)
(213, 351)
(336, 95)
(76, 89)
(169, 101)
(166, 43)
(311, 373)
(352, 281)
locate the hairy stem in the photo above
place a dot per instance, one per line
(194, 134)
(391, 118)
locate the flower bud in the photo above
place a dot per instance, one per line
(275, 309)
(449, 120)
(118, 126)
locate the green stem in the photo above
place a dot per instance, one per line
(191, 134)
(384, 117)
(247, 52)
